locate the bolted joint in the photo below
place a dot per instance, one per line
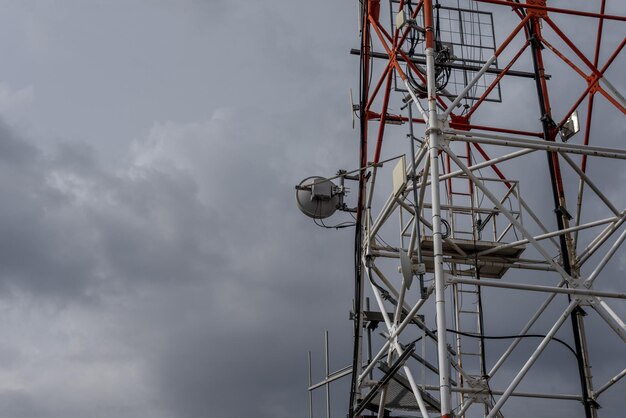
(536, 42)
(561, 211)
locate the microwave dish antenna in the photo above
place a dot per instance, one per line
(317, 197)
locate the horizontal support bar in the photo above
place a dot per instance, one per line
(518, 394)
(333, 376)
(422, 61)
(555, 10)
(465, 136)
(549, 235)
(538, 288)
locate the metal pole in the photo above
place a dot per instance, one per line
(310, 392)
(416, 392)
(433, 134)
(326, 355)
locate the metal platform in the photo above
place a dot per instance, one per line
(499, 260)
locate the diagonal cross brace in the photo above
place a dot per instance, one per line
(393, 369)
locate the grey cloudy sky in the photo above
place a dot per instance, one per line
(152, 261)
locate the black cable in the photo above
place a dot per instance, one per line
(358, 275)
(447, 225)
(320, 222)
(340, 225)
(510, 337)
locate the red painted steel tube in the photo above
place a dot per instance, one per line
(573, 47)
(428, 24)
(494, 167)
(420, 75)
(592, 84)
(497, 80)
(383, 117)
(596, 55)
(392, 56)
(583, 161)
(511, 36)
(563, 58)
(611, 99)
(554, 9)
(596, 59)
(408, 29)
(378, 86)
(506, 131)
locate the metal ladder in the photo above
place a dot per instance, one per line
(466, 297)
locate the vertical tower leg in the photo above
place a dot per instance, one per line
(433, 134)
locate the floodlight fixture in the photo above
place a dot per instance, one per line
(570, 127)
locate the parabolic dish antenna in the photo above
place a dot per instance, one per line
(316, 197)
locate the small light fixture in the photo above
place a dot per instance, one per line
(570, 127)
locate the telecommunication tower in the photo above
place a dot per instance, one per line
(468, 201)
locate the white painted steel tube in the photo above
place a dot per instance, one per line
(469, 86)
(524, 330)
(383, 310)
(385, 212)
(424, 183)
(591, 184)
(310, 393)
(610, 317)
(326, 360)
(539, 288)
(538, 145)
(416, 100)
(544, 343)
(393, 335)
(616, 94)
(599, 240)
(433, 132)
(548, 235)
(416, 392)
(594, 274)
(564, 397)
(333, 376)
(537, 220)
(610, 383)
(484, 164)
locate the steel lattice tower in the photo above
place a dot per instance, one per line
(450, 215)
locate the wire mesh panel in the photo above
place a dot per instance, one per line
(465, 41)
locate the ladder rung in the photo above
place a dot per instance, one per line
(472, 312)
(471, 354)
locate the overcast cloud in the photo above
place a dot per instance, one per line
(152, 260)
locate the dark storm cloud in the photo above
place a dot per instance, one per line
(173, 277)
(206, 231)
